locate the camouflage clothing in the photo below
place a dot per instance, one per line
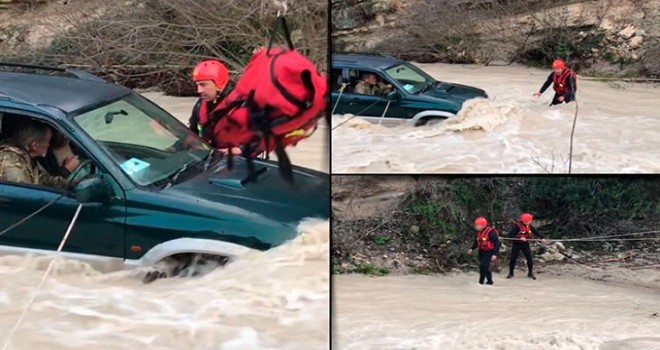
(16, 165)
(365, 88)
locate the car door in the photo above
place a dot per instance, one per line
(403, 110)
(366, 106)
(98, 231)
(336, 93)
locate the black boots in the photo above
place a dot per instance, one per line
(530, 275)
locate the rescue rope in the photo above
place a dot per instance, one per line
(356, 115)
(341, 91)
(597, 238)
(384, 112)
(583, 240)
(576, 262)
(570, 152)
(43, 278)
(33, 214)
(283, 7)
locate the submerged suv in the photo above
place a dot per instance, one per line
(417, 97)
(150, 189)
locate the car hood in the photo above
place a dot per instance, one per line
(270, 197)
(456, 92)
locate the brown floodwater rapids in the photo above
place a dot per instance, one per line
(617, 131)
(455, 312)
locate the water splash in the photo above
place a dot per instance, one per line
(278, 299)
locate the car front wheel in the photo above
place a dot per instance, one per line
(185, 265)
(430, 121)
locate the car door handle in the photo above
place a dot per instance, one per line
(4, 201)
(354, 100)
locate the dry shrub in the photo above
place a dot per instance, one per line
(146, 43)
(527, 31)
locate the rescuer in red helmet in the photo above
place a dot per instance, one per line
(212, 80)
(523, 231)
(564, 82)
(489, 247)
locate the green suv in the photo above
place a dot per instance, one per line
(150, 189)
(415, 96)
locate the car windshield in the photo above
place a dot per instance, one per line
(411, 78)
(149, 144)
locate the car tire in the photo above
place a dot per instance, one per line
(185, 265)
(430, 121)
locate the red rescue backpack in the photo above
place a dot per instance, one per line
(276, 103)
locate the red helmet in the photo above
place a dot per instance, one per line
(558, 64)
(481, 221)
(212, 70)
(526, 217)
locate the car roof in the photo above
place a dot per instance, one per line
(65, 93)
(367, 60)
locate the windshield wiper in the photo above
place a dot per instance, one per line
(176, 176)
(426, 87)
(208, 159)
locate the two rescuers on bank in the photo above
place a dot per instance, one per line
(487, 240)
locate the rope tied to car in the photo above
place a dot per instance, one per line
(43, 278)
(356, 115)
(31, 215)
(341, 91)
(68, 191)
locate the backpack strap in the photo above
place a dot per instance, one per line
(286, 169)
(280, 23)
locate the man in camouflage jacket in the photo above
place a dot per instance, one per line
(370, 85)
(17, 163)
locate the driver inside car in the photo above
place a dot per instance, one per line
(371, 85)
(60, 160)
(27, 141)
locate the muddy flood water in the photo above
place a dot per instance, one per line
(618, 127)
(277, 299)
(455, 312)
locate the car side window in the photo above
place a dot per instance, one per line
(91, 169)
(365, 82)
(336, 79)
(353, 78)
(53, 154)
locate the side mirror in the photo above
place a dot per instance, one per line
(394, 96)
(92, 190)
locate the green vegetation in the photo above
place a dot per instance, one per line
(437, 223)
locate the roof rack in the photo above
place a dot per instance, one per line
(80, 74)
(363, 54)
